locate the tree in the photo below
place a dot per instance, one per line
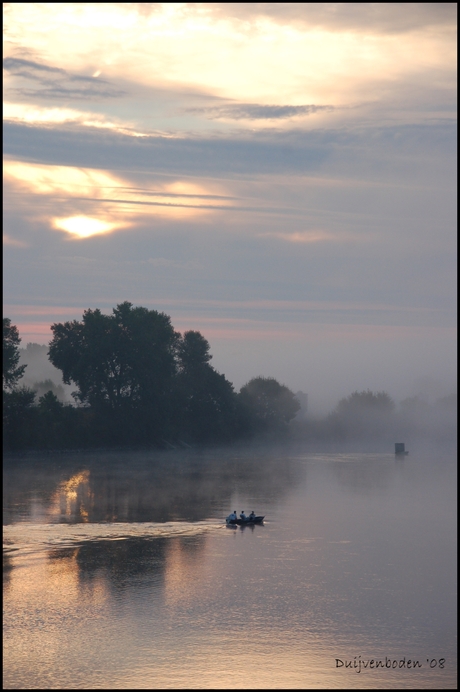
(363, 414)
(44, 386)
(11, 371)
(359, 402)
(18, 401)
(123, 365)
(205, 402)
(192, 351)
(18, 417)
(269, 405)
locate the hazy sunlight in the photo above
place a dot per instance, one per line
(83, 226)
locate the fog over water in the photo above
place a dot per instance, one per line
(119, 571)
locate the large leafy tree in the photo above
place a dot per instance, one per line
(269, 405)
(205, 403)
(12, 372)
(121, 363)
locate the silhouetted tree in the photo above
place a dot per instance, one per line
(205, 402)
(137, 381)
(18, 418)
(123, 365)
(18, 401)
(192, 351)
(11, 371)
(269, 405)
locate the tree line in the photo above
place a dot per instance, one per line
(137, 382)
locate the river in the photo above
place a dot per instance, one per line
(119, 570)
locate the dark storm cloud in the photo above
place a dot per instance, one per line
(256, 111)
(53, 82)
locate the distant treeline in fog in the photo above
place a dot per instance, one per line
(135, 381)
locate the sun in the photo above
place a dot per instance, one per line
(83, 226)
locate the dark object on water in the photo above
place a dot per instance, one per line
(245, 522)
(399, 449)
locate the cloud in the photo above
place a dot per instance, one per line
(32, 114)
(100, 202)
(55, 82)
(315, 237)
(162, 262)
(13, 242)
(262, 53)
(378, 17)
(342, 16)
(190, 154)
(256, 111)
(366, 151)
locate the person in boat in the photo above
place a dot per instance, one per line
(243, 516)
(232, 516)
(252, 516)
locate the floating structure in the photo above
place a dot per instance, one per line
(400, 449)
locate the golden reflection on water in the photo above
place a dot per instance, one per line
(183, 568)
(53, 617)
(72, 499)
(46, 608)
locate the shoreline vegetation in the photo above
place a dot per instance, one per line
(138, 384)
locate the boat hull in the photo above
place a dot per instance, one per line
(245, 522)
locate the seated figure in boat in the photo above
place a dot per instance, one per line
(243, 516)
(252, 516)
(232, 516)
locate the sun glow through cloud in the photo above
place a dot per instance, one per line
(117, 201)
(83, 226)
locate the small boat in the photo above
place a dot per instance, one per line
(244, 522)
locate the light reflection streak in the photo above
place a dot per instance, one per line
(27, 537)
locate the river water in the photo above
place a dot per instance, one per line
(119, 571)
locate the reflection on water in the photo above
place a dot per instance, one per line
(139, 487)
(119, 571)
(27, 538)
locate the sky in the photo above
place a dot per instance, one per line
(279, 176)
